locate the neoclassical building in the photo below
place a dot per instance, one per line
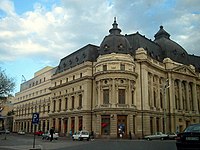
(128, 84)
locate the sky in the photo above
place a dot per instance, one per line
(38, 33)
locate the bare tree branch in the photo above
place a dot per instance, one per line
(7, 84)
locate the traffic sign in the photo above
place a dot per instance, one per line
(35, 118)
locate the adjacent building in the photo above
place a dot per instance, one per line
(128, 84)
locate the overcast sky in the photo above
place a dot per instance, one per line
(38, 33)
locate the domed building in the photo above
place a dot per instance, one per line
(129, 85)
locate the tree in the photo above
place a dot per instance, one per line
(7, 84)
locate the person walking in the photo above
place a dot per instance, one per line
(51, 133)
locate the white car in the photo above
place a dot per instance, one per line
(47, 136)
(157, 136)
(81, 135)
(21, 132)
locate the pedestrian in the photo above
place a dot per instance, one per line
(92, 136)
(70, 133)
(130, 135)
(51, 133)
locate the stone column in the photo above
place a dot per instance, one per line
(113, 92)
(152, 93)
(98, 93)
(187, 97)
(194, 97)
(180, 94)
(158, 94)
(129, 99)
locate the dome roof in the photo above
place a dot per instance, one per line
(114, 42)
(170, 48)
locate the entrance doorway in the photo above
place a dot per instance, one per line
(121, 126)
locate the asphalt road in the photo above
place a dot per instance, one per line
(25, 142)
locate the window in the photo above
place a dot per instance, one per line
(60, 103)
(72, 102)
(60, 82)
(122, 67)
(161, 100)
(105, 125)
(81, 75)
(151, 125)
(73, 77)
(132, 96)
(104, 67)
(66, 103)
(121, 94)
(106, 96)
(80, 101)
(80, 123)
(158, 124)
(54, 105)
(44, 108)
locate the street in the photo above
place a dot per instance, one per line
(25, 142)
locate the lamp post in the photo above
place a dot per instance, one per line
(165, 87)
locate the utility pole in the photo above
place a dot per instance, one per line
(165, 87)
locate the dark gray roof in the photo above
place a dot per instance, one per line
(114, 42)
(170, 48)
(158, 49)
(87, 53)
(137, 40)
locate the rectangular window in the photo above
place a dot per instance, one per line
(80, 100)
(122, 67)
(54, 105)
(44, 108)
(80, 123)
(104, 67)
(132, 96)
(72, 102)
(60, 104)
(105, 125)
(121, 96)
(106, 96)
(66, 103)
(59, 125)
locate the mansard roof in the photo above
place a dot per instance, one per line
(115, 42)
(86, 53)
(162, 47)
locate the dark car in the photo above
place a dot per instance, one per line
(189, 138)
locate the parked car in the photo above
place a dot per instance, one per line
(5, 131)
(21, 132)
(189, 138)
(39, 133)
(171, 135)
(81, 135)
(47, 136)
(157, 136)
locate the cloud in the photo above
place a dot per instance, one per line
(54, 32)
(8, 7)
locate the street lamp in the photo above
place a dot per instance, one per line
(165, 87)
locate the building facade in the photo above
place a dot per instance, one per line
(34, 96)
(128, 84)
